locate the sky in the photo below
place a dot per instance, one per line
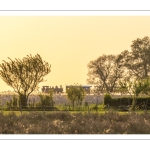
(68, 43)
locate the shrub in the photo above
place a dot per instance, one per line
(15, 101)
(107, 99)
(141, 103)
(75, 94)
(95, 107)
(124, 101)
(46, 100)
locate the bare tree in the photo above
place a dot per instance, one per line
(24, 75)
(105, 72)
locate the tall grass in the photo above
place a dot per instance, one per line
(76, 123)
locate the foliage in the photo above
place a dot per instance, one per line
(77, 123)
(107, 99)
(47, 99)
(13, 103)
(137, 61)
(24, 75)
(104, 72)
(141, 102)
(75, 93)
(95, 107)
(135, 88)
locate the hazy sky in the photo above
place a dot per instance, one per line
(68, 43)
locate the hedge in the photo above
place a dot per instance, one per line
(126, 101)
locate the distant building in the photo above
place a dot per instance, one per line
(56, 89)
(85, 87)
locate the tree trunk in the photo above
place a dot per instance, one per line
(107, 87)
(23, 100)
(73, 104)
(133, 104)
(145, 70)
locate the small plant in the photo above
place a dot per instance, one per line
(47, 100)
(15, 101)
(107, 99)
(8, 104)
(95, 107)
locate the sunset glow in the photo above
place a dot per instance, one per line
(68, 43)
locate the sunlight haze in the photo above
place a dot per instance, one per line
(68, 43)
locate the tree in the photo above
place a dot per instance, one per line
(137, 61)
(24, 75)
(105, 72)
(135, 88)
(75, 93)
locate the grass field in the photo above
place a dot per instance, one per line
(80, 120)
(77, 109)
(108, 122)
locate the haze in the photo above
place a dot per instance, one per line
(68, 43)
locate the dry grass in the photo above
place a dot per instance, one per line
(77, 123)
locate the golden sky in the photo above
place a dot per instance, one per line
(68, 43)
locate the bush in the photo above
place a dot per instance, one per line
(107, 99)
(127, 101)
(95, 107)
(124, 101)
(47, 101)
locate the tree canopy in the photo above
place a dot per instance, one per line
(127, 72)
(105, 72)
(137, 61)
(75, 93)
(24, 75)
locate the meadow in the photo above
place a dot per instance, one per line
(92, 119)
(109, 122)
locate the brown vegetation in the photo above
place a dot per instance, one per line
(67, 123)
